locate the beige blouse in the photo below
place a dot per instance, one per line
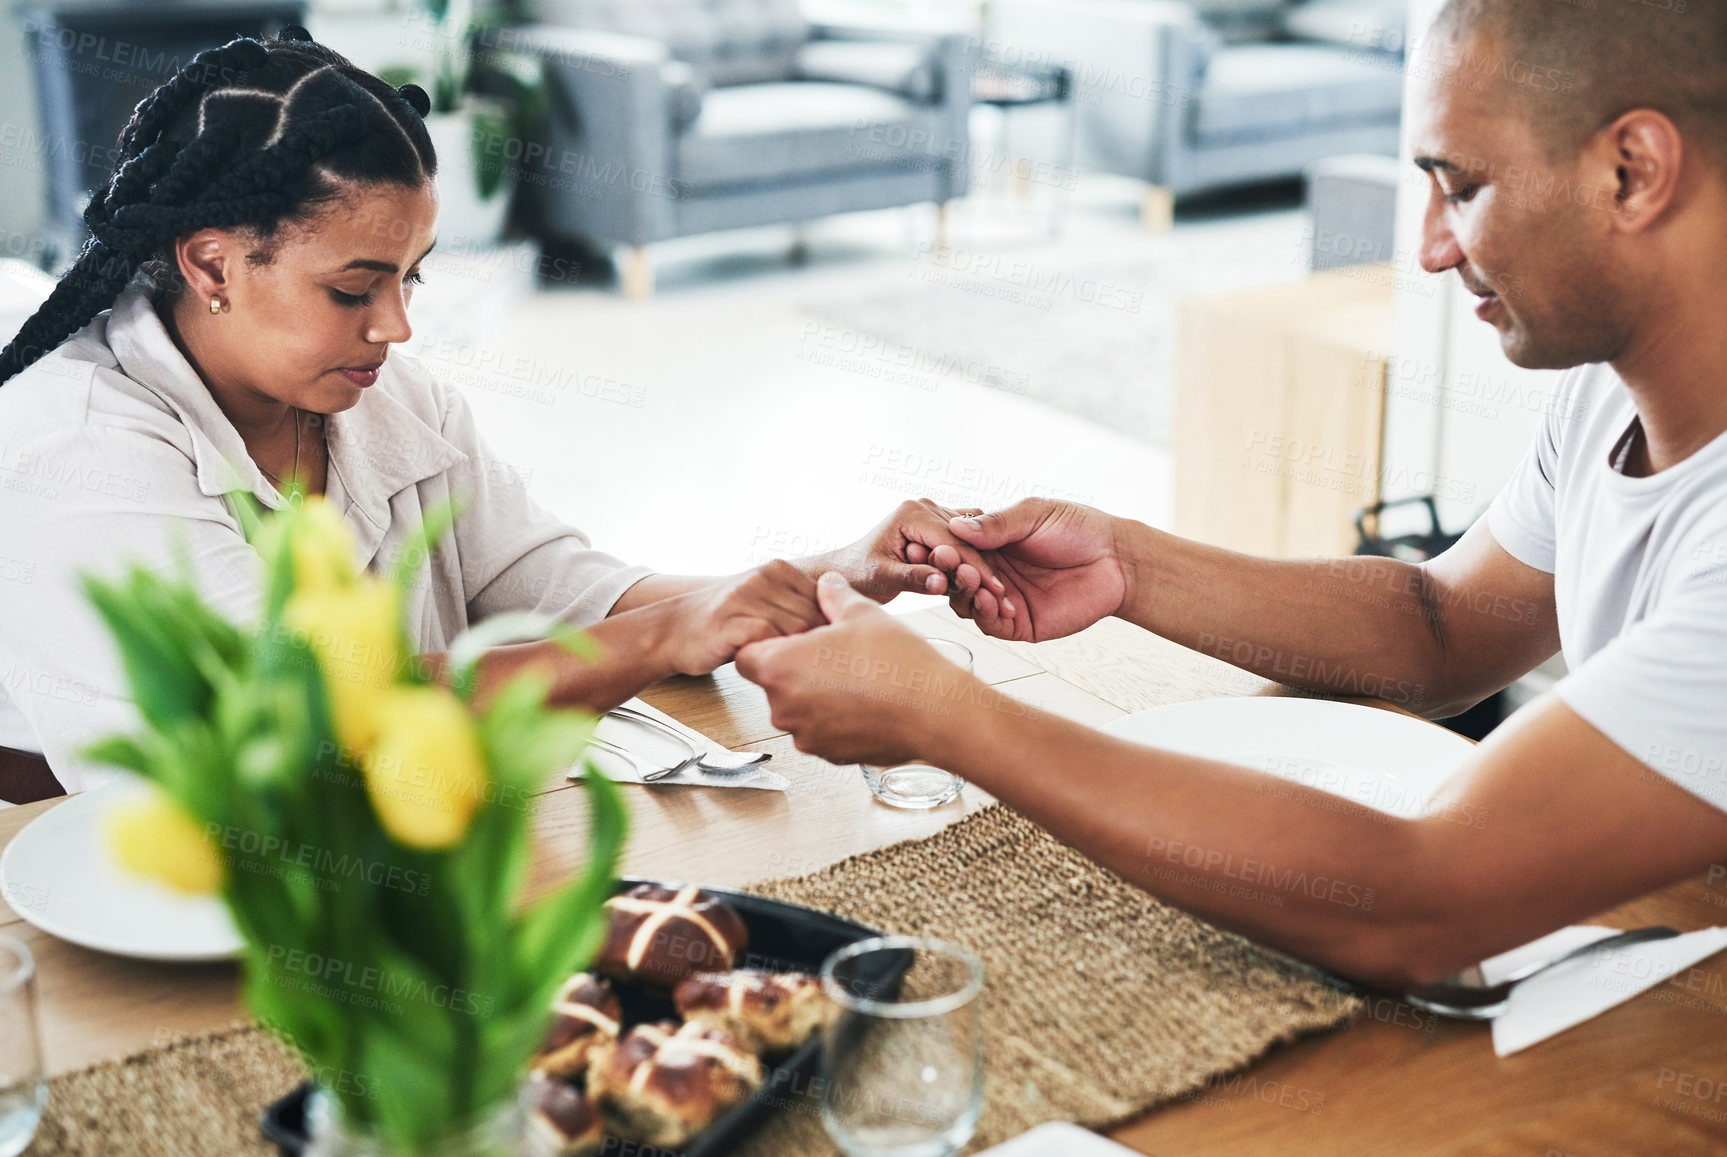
(112, 451)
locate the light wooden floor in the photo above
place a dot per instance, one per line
(686, 393)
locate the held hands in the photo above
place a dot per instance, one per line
(1059, 565)
(706, 627)
(896, 557)
(861, 690)
(1038, 570)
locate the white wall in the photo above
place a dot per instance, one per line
(1458, 415)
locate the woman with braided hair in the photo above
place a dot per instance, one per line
(226, 333)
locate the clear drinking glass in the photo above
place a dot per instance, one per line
(23, 1092)
(918, 786)
(902, 1070)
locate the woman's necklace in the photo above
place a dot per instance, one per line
(297, 487)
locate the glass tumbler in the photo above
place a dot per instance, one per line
(23, 1092)
(918, 786)
(902, 1069)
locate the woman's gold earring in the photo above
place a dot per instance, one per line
(215, 304)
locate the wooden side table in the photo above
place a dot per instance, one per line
(1280, 413)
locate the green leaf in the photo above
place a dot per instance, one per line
(166, 684)
(489, 145)
(468, 648)
(561, 931)
(124, 752)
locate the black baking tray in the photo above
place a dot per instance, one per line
(783, 938)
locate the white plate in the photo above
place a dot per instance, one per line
(1058, 1139)
(1378, 759)
(58, 875)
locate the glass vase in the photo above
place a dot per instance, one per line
(505, 1132)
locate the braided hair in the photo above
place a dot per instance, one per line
(253, 135)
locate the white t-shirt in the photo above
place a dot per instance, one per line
(1639, 571)
(113, 451)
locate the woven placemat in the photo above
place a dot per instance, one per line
(198, 1097)
(1099, 1003)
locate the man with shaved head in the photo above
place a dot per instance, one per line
(1577, 165)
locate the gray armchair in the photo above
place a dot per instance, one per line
(1192, 97)
(674, 117)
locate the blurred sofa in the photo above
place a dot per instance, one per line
(1193, 97)
(668, 118)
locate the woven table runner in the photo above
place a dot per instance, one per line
(1100, 1002)
(198, 1097)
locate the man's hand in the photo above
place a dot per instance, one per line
(895, 557)
(706, 627)
(863, 690)
(1060, 568)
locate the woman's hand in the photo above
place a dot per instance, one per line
(704, 628)
(1059, 565)
(900, 555)
(860, 690)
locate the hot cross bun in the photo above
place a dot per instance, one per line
(585, 1013)
(662, 1084)
(659, 935)
(767, 1011)
(565, 1116)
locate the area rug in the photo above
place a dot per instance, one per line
(1096, 339)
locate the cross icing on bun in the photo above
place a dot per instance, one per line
(585, 1013)
(662, 1084)
(769, 1011)
(659, 935)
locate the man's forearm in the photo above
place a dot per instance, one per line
(1342, 886)
(1348, 626)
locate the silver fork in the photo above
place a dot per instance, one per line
(1467, 996)
(649, 773)
(714, 761)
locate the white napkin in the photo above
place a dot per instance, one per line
(1582, 989)
(649, 745)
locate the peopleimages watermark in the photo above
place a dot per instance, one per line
(261, 854)
(421, 784)
(873, 356)
(46, 476)
(1389, 583)
(368, 985)
(1341, 791)
(1215, 870)
(504, 371)
(1312, 671)
(936, 689)
(911, 471)
(1709, 562)
(1692, 1094)
(1226, 1090)
(1347, 471)
(1016, 280)
(47, 684)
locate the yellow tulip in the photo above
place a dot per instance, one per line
(155, 838)
(353, 630)
(322, 546)
(427, 773)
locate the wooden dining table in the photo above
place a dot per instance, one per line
(1648, 1077)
